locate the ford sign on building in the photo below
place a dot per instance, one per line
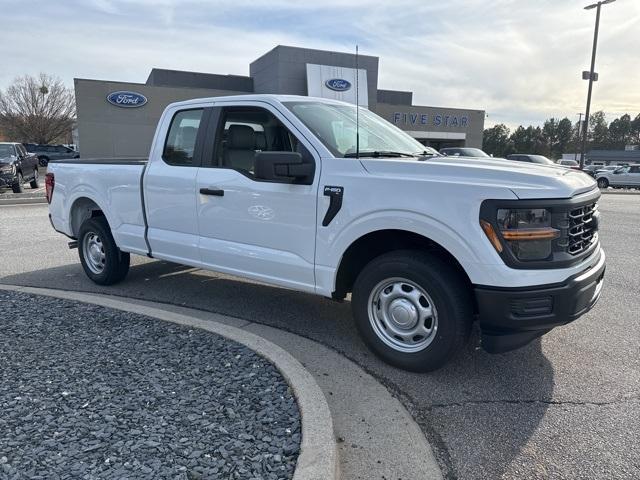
(111, 122)
(126, 99)
(338, 85)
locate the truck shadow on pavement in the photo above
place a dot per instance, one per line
(478, 412)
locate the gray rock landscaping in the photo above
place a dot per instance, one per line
(88, 392)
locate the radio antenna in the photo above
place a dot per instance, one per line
(357, 108)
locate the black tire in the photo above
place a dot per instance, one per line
(115, 263)
(603, 183)
(17, 187)
(448, 291)
(35, 182)
(43, 161)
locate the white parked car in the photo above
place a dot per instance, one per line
(621, 177)
(277, 189)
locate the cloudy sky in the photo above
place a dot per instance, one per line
(520, 60)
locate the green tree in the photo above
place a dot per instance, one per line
(565, 137)
(634, 136)
(496, 140)
(620, 132)
(598, 131)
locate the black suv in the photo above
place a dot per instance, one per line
(51, 152)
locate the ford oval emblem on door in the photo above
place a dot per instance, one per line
(126, 99)
(338, 84)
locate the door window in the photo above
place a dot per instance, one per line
(635, 169)
(244, 131)
(180, 144)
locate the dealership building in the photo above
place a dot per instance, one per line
(118, 119)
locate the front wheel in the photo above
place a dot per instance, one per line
(603, 183)
(101, 259)
(412, 309)
(17, 187)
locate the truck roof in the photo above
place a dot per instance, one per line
(260, 97)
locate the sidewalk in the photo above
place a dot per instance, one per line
(37, 195)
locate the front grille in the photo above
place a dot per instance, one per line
(582, 231)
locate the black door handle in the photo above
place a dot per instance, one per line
(212, 191)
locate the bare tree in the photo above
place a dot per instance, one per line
(37, 109)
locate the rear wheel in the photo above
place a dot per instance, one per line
(43, 161)
(603, 183)
(17, 187)
(35, 182)
(412, 309)
(102, 260)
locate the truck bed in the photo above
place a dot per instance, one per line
(114, 184)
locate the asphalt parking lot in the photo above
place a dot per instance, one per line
(566, 406)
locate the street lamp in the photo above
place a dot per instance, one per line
(591, 75)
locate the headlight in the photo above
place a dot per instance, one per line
(527, 232)
(7, 169)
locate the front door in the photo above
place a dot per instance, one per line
(265, 230)
(634, 176)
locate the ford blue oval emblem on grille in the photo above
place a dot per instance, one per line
(126, 99)
(338, 84)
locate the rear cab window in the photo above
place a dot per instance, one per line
(181, 138)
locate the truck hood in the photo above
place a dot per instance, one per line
(526, 180)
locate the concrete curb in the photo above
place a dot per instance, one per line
(619, 192)
(22, 201)
(318, 459)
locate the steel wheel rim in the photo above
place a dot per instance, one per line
(402, 315)
(93, 252)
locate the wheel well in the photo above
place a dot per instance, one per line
(374, 244)
(82, 209)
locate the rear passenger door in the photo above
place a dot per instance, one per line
(169, 186)
(256, 228)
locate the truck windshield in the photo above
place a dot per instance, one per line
(335, 126)
(6, 150)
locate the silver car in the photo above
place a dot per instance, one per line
(622, 177)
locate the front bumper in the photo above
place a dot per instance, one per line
(512, 317)
(7, 179)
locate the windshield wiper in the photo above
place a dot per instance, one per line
(378, 154)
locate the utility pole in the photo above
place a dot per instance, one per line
(591, 76)
(575, 153)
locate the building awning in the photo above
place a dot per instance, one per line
(419, 134)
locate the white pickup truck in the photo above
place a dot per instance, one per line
(295, 192)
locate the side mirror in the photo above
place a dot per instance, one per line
(276, 166)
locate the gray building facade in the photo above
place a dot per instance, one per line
(109, 129)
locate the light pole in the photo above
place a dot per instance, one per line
(575, 155)
(592, 76)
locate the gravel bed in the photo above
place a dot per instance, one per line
(88, 392)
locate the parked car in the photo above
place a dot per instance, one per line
(608, 168)
(568, 164)
(522, 157)
(17, 166)
(46, 153)
(590, 170)
(621, 177)
(264, 187)
(463, 152)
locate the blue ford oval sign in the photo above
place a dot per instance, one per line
(126, 99)
(338, 84)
